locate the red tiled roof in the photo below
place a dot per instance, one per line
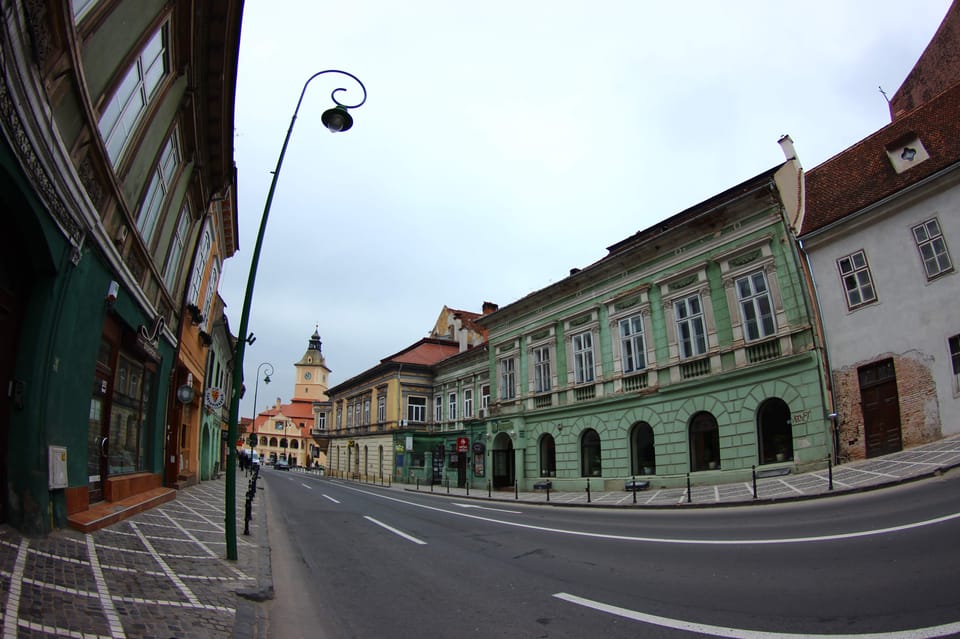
(937, 69)
(426, 352)
(863, 174)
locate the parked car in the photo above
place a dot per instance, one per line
(281, 464)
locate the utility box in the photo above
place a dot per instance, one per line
(57, 466)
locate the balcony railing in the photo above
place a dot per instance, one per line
(635, 382)
(763, 351)
(698, 368)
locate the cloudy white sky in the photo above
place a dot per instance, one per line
(505, 142)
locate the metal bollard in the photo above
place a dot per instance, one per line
(247, 515)
(448, 485)
(588, 490)
(548, 492)
(516, 489)
(489, 487)
(468, 489)
(830, 470)
(689, 492)
(753, 469)
(633, 484)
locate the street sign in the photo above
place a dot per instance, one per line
(463, 444)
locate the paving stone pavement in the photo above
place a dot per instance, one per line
(162, 573)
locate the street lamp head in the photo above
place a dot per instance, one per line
(266, 379)
(337, 119)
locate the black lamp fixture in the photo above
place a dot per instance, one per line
(335, 119)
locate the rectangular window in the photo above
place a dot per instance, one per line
(485, 396)
(366, 411)
(452, 406)
(339, 417)
(955, 357)
(356, 413)
(633, 350)
(438, 408)
(179, 240)
(583, 368)
(855, 273)
(161, 180)
(468, 402)
(129, 416)
(417, 409)
(691, 334)
(321, 421)
(382, 408)
(212, 284)
(349, 416)
(541, 369)
(200, 263)
(755, 307)
(933, 248)
(508, 378)
(127, 105)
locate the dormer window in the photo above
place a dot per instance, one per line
(906, 151)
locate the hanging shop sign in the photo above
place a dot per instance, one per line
(214, 397)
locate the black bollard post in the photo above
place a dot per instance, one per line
(516, 489)
(753, 470)
(247, 515)
(588, 490)
(418, 483)
(633, 487)
(548, 492)
(830, 470)
(488, 489)
(467, 486)
(689, 492)
(448, 485)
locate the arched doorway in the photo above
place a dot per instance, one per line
(503, 461)
(704, 442)
(548, 456)
(643, 455)
(591, 464)
(774, 432)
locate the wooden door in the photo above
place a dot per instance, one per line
(880, 404)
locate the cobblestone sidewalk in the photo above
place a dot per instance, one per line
(162, 573)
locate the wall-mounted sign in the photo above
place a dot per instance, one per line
(478, 447)
(463, 444)
(214, 397)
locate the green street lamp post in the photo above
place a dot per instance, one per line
(336, 119)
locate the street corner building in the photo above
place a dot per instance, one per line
(690, 351)
(118, 187)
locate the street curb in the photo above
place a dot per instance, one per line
(251, 621)
(936, 472)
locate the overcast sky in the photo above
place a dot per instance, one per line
(504, 143)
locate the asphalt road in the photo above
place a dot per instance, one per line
(352, 560)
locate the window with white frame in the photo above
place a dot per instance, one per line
(203, 254)
(468, 402)
(382, 408)
(857, 282)
(417, 409)
(126, 106)
(321, 421)
(356, 413)
(691, 332)
(485, 396)
(508, 378)
(161, 179)
(541, 369)
(583, 361)
(212, 284)
(172, 267)
(452, 406)
(349, 415)
(438, 408)
(339, 417)
(81, 7)
(366, 410)
(933, 248)
(633, 350)
(756, 308)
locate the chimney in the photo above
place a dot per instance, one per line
(787, 145)
(490, 307)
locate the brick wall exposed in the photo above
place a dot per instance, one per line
(919, 412)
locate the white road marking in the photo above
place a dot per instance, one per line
(739, 633)
(306, 486)
(499, 510)
(668, 540)
(396, 532)
(332, 499)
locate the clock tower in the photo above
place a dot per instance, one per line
(312, 373)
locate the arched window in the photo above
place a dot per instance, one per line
(774, 432)
(548, 456)
(273, 441)
(704, 442)
(643, 456)
(263, 441)
(590, 462)
(294, 444)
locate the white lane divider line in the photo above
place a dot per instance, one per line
(106, 602)
(331, 499)
(740, 633)
(396, 532)
(499, 510)
(306, 486)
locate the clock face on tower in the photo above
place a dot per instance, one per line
(307, 375)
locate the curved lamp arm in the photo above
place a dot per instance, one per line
(335, 119)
